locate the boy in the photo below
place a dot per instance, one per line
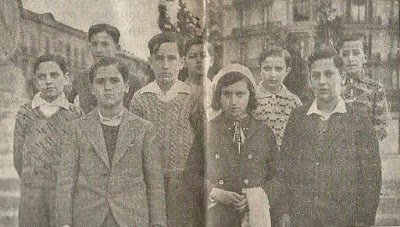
(198, 60)
(330, 154)
(39, 128)
(169, 104)
(110, 172)
(103, 42)
(275, 101)
(361, 89)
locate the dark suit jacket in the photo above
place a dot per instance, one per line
(333, 175)
(255, 166)
(132, 189)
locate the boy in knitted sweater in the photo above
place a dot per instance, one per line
(275, 101)
(170, 106)
(38, 132)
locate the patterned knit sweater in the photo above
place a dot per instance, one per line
(176, 121)
(274, 110)
(37, 141)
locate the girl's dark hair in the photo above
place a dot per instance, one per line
(229, 79)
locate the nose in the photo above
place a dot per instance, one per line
(322, 79)
(99, 48)
(49, 80)
(107, 85)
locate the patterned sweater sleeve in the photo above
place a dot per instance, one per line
(19, 138)
(380, 115)
(136, 104)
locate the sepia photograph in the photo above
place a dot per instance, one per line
(199, 113)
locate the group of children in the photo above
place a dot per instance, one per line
(101, 164)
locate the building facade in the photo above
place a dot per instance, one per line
(42, 33)
(241, 29)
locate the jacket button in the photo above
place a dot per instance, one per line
(250, 156)
(246, 181)
(220, 182)
(217, 156)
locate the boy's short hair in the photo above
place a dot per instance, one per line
(111, 30)
(59, 60)
(229, 79)
(352, 37)
(199, 40)
(276, 51)
(166, 37)
(327, 53)
(108, 61)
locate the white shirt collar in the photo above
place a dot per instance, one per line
(339, 108)
(263, 93)
(178, 87)
(61, 101)
(113, 121)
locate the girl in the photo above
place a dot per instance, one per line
(240, 157)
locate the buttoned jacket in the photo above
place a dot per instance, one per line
(254, 166)
(130, 185)
(336, 170)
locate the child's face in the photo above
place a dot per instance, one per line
(353, 56)
(273, 72)
(109, 86)
(235, 99)
(198, 60)
(325, 80)
(102, 45)
(50, 80)
(166, 64)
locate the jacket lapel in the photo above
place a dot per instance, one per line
(96, 137)
(127, 132)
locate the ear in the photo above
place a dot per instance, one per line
(126, 84)
(150, 59)
(211, 61)
(181, 63)
(343, 76)
(67, 79)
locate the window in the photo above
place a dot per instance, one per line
(358, 9)
(301, 10)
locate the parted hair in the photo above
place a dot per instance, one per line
(166, 37)
(111, 30)
(229, 79)
(199, 40)
(59, 60)
(108, 61)
(276, 51)
(327, 53)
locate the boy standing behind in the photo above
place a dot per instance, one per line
(169, 104)
(37, 137)
(275, 101)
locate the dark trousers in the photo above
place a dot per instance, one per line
(175, 198)
(36, 207)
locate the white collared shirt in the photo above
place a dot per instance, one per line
(113, 121)
(47, 108)
(178, 87)
(339, 108)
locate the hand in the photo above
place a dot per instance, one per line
(285, 220)
(227, 198)
(242, 206)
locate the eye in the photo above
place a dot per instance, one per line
(267, 68)
(345, 53)
(105, 44)
(315, 75)
(159, 58)
(41, 76)
(94, 44)
(115, 80)
(172, 57)
(192, 56)
(328, 74)
(278, 69)
(99, 81)
(356, 52)
(54, 75)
